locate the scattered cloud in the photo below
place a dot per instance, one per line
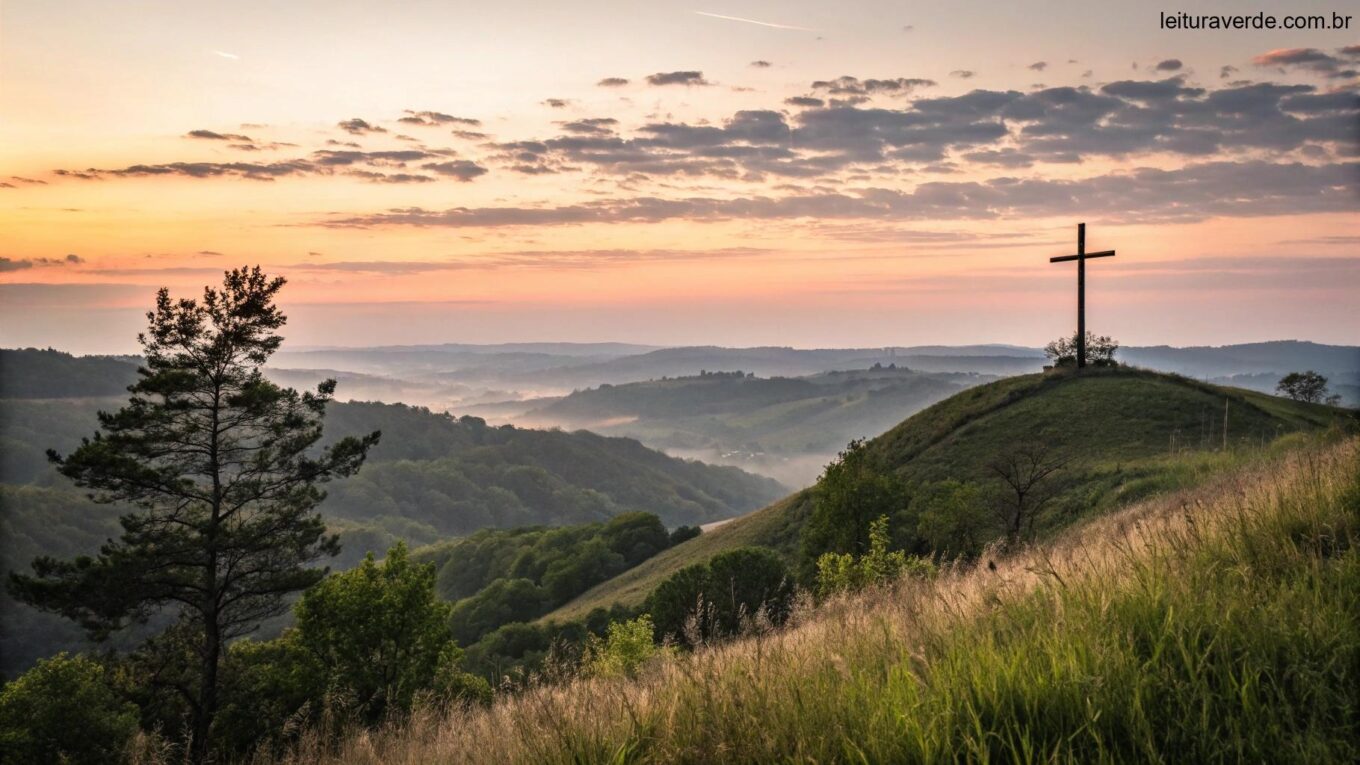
(591, 126)
(1309, 59)
(761, 64)
(1226, 71)
(458, 169)
(1145, 195)
(805, 101)
(557, 103)
(963, 74)
(357, 126)
(209, 135)
(435, 119)
(677, 78)
(1169, 65)
(23, 264)
(1039, 66)
(612, 82)
(226, 55)
(853, 86)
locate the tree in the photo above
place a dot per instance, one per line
(63, 710)
(1303, 386)
(678, 600)
(1100, 350)
(220, 464)
(745, 582)
(851, 493)
(718, 598)
(684, 534)
(1026, 473)
(379, 631)
(953, 518)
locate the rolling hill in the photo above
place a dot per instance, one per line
(785, 427)
(1120, 426)
(432, 477)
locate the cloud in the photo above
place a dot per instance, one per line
(1039, 66)
(209, 135)
(853, 86)
(435, 119)
(761, 64)
(805, 101)
(1144, 195)
(1308, 59)
(460, 169)
(963, 74)
(677, 78)
(391, 158)
(612, 82)
(1169, 65)
(226, 55)
(1226, 71)
(557, 103)
(376, 177)
(591, 126)
(23, 264)
(357, 126)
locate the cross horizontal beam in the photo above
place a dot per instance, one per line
(1065, 258)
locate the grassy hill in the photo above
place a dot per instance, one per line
(1118, 424)
(1215, 624)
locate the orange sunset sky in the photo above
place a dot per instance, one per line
(739, 173)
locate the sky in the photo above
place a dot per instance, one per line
(736, 173)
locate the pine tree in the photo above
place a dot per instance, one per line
(221, 467)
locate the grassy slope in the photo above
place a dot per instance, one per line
(1124, 416)
(1220, 624)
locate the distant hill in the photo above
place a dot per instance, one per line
(38, 373)
(432, 477)
(785, 427)
(1118, 424)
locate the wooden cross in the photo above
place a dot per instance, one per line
(1081, 258)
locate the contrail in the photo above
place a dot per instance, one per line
(224, 54)
(753, 21)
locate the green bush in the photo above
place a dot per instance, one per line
(63, 711)
(625, 649)
(379, 631)
(721, 597)
(843, 572)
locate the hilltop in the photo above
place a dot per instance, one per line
(1119, 426)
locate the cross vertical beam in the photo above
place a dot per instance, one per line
(1081, 295)
(1081, 258)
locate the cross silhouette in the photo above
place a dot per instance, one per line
(1081, 258)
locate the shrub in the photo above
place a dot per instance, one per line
(842, 572)
(625, 649)
(63, 710)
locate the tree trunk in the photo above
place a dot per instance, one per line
(207, 694)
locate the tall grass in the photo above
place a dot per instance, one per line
(1216, 624)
